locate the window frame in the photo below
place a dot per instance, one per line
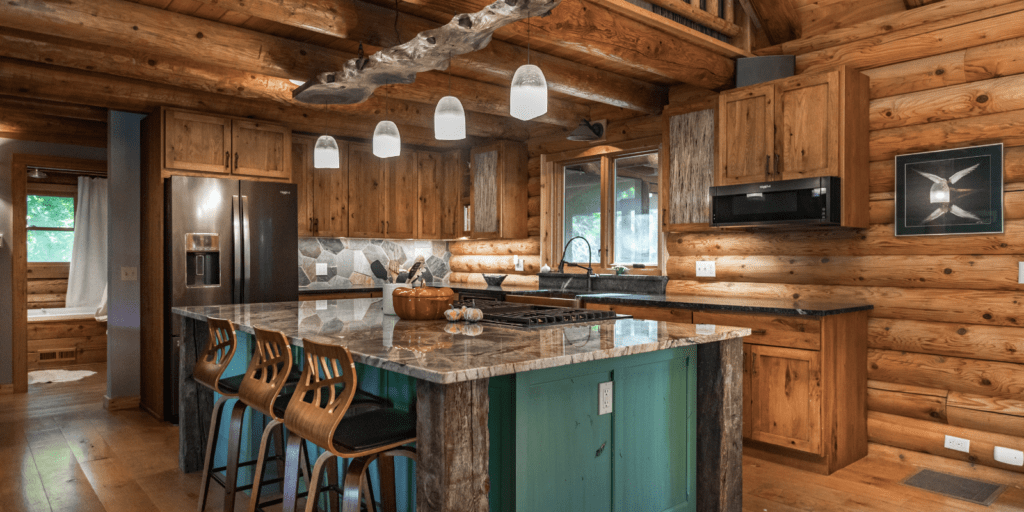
(50, 192)
(554, 220)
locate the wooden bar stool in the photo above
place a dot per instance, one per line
(209, 372)
(265, 388)
(317, 413)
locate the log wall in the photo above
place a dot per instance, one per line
(945, 336)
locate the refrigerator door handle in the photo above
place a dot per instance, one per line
(236, 221)
(247, 250)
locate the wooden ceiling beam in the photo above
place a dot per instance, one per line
(215, 45)
(178, 73)
(591, 33)
(52, 83)
(31, 125)
(777, 18)
(372, 25)
(54, 108)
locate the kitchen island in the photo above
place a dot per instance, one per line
(452, 371)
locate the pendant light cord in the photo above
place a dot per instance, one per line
(528, 16)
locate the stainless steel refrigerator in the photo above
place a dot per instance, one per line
(226, 242)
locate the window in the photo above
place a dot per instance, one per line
(612, 202)
(51, 228)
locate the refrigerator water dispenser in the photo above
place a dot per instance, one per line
(202, 259)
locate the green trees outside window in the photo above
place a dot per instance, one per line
(51, 228)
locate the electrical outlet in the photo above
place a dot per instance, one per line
(321, 305)
(1020, 272)
(604, 392)
(321, 269)
(1009, 456)
(958, 444)
(706, 328)
(518, 262)
(129, 273)
(705, 269)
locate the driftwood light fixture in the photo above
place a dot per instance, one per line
(429, 50)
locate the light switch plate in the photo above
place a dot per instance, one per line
(1020, 272)
(705, 328)
(1008, 456)
(517, 262)
(604, 397)
(705, 269)
(321, 269)
(129, 273)
(321, 305)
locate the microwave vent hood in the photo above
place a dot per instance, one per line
(805, 201)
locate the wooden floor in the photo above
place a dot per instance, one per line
(60, 451)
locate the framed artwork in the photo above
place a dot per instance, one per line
(950, 192)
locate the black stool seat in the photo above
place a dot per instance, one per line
(231, 385)
(375, 428)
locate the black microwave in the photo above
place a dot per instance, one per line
(802, 201)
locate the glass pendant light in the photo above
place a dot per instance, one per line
(449, 116)
(387, 142)
(529, 97)
(326, 154)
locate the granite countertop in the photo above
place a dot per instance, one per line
(427, 351)
(729, 304)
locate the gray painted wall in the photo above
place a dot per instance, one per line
(124, 168)
(9, 147)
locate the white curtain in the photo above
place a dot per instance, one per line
(87, 279)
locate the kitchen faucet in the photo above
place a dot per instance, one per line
(590, 257)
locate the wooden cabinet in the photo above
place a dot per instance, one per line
(687, 168)
(786, 403)
(429, 203)
(323, 193)
(197, 143)
(746, 134)
(499, 191)
(260, 149)
(804, 388)
(449, 175)
(799, 127)
(365, 192)
(401, 192)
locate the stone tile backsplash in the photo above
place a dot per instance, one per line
(348, 260)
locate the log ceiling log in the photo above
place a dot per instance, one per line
(178, 73)
(370, 24)
(593, 34)
(54, 108)
(218, 46)
(777, 18)
(52, 83)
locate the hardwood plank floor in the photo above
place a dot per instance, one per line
(61, 451)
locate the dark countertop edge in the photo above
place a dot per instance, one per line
(454, 377)
(769, 306)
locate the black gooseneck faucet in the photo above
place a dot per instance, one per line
(590, 258)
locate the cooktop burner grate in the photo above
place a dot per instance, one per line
(531, 315)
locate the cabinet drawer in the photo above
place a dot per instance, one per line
(683, 316)
(779, 331)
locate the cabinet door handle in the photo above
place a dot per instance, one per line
(236, 160)
(777, 171)
(316, 225)
(381, 226)
(767, 166)
(310, 228)
(664, 217)
(227, 159)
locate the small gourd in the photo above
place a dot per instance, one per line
(472, 315)
(453, 315)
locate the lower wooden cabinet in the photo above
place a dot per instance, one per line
(786, 401)
(804, 383)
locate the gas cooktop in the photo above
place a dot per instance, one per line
(511, 314)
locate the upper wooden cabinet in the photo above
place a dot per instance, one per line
(799, 127)
(499, 191)
(686, 162)
(449, 176)
(401, 204)
(365, 192)
(197, 143)
(323, 193)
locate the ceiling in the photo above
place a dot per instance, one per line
(227, 56)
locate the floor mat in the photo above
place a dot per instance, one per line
(974, 491)
(43, 376)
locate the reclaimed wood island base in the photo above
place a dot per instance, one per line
(453, 371)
